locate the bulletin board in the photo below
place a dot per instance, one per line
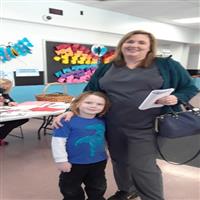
(59, 58)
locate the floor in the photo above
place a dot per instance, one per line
(27, 171)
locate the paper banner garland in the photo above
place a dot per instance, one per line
(13, 50)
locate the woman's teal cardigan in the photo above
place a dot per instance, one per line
(173, 74)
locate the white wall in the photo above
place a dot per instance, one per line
(11, 31)
(93, 19)
(194, 57)
(24, 19)
(179, 51)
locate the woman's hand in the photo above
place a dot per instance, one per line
(57, 120)
(169, 100)
(64, 166)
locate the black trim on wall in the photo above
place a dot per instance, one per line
(193, 71)
(29, 80)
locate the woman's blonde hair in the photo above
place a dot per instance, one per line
(6, 84)
(119, 58)
(74, 107)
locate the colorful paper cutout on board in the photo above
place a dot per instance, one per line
(81, 61)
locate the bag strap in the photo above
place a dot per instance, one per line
(164, 158)
(187, 105)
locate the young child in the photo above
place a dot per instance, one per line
(5, 99)
(78, 148)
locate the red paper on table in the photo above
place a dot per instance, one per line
(45, 109)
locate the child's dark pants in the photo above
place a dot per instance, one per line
(91, 175)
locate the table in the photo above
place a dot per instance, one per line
(33, 109)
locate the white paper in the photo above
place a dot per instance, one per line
(27, 72)
(154, 95)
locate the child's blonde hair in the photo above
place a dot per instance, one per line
(6, 84)
(74, 107)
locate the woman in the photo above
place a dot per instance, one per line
(7, 127)
(127, 80)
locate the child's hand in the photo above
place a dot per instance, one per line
(1, 99)
(64, 166)
(12, 103)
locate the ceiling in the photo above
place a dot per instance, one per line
(157, 10)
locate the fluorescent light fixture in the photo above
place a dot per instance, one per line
(188, 20)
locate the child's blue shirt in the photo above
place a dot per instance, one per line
(84, 139)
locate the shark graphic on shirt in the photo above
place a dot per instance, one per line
(93, 140)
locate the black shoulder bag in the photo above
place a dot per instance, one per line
(178, 124)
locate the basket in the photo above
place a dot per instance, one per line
(54, 97)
